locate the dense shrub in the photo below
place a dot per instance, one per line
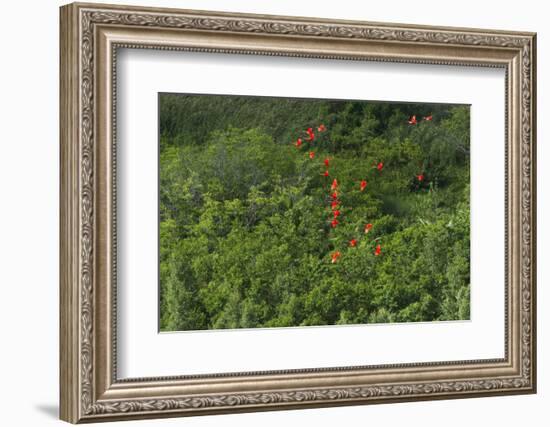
(245, 233)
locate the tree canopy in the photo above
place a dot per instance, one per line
(255, 233)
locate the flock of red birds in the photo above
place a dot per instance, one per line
(335, 203)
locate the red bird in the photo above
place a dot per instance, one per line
(335, 256)
(428, 118)
(420, 177)
(321, 128)
(380, 166)
(353, 243)
(412, 120)
(326, 173)
(378, 250)
(327, 162)
(334, 186)
(334, 204)
(335, 194)
(334, 223)
(363, 184)
(336, 213)
(311, 154)
(368, 227)
(298, 142)
(311, 135)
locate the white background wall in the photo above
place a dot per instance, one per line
(29, 170)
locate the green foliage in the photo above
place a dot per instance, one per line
(245, 234)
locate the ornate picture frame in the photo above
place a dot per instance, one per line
(90, 37)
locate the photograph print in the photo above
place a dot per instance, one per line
(290, 212)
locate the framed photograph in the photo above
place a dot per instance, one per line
(266, 212)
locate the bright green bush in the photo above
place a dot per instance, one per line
(245, 234)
